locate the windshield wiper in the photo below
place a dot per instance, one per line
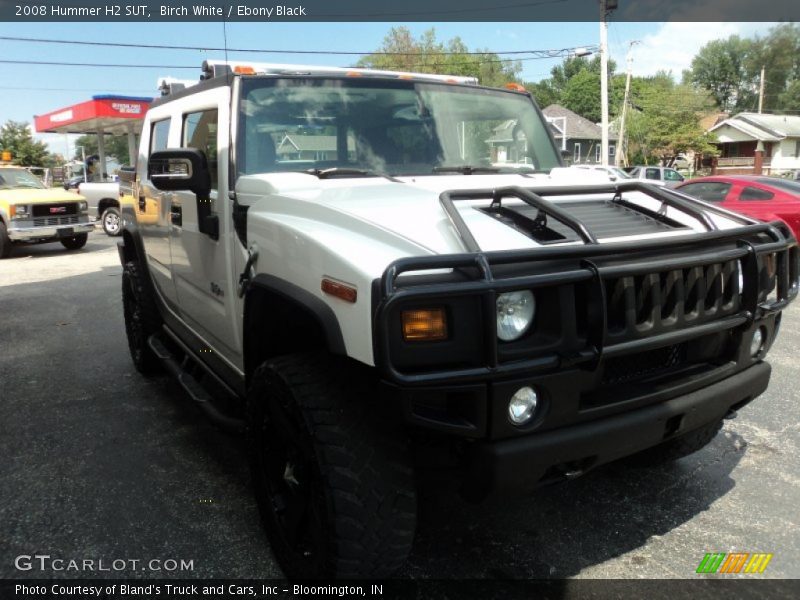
(349, 172)
(465, 169)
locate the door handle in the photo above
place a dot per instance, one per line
(176, 215)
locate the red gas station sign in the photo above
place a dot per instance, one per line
(112, 114)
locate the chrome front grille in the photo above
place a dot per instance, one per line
(53, 221)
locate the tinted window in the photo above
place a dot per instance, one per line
(751, 193)
(159, 132)
(710, 191)
(200, 131)
(652, 174)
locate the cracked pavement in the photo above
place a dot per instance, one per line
(102, 463)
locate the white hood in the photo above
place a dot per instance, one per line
(408, 215)
(409, 209)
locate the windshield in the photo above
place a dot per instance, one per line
(19, 178)
(387, 128)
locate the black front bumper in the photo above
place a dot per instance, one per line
(529, 461)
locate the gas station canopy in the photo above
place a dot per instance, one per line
(116, 115)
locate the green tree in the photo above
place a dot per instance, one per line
(115, 145)
(779, 54)
(575, 84)
(723, 68)
(731, 69)
(16, 137)
(400, 51)
(790, 99)
(664, 120)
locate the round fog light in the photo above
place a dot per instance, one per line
(522, 406)
(757, 343)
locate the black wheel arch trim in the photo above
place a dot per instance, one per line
(294, 294)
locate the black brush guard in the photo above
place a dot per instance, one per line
(752, 304)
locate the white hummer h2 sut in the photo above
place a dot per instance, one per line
(375, 273)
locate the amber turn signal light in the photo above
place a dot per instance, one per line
(341, 290)
(427, 325)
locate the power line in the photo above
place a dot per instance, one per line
(421, 63)
(55, 89)
(553, 53)
(80, 64)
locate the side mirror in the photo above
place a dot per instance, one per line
(186, 169)
(565, 154)
(180, 169)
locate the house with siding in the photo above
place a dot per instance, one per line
(583, 138)
(740, 136)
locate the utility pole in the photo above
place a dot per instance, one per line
(761, 92)
(622, 148)
(605, 7)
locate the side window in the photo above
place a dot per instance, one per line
(200, 131)
(652, 174)
(159, 132)
(597, 154)
(709, 191)
(672, 175)
(751, 193)
(576, 153)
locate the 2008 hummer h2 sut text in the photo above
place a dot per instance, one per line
(381, 272)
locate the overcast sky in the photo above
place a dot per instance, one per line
(32, 89)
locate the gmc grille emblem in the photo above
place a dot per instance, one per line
(56, 210)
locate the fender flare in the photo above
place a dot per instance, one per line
(324, 315)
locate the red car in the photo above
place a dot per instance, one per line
(763, 198)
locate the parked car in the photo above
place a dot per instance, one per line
(31, 213)
(73, 182)
(763, 198)
(613, 173)
(658, 175)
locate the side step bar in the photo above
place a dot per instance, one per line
(193, 388)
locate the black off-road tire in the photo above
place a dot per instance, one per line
(111, 221)
(5, 241)
(323, 460)
(141, 318)
(76, 242)
(676, 448)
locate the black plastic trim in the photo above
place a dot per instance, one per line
(297, 295)
(527, 461)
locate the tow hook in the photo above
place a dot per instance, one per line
(246, 276)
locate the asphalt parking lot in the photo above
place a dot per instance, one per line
(101, 463)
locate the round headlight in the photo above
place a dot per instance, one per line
(522, 406)
(757, 343)
(515, 312)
